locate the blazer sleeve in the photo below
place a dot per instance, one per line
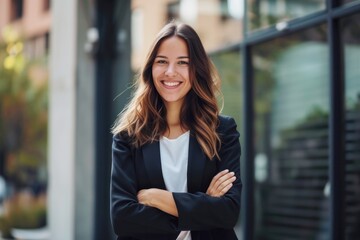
(129, 217)
(199, 211)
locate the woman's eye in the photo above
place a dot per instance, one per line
(183, 63)
(161, 62)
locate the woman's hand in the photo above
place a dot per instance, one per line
(221, 183)
(158, 198)
(145, 196)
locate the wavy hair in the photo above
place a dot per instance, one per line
(144, 118)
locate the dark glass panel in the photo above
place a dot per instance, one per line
(349, 1)
(291, 101)
(229, 65)
(264, 13)
(351, 48)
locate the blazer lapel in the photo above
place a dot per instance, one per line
(196, 165)
(152, 162)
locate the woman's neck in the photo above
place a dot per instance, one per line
(173, 121)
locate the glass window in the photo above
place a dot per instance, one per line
(17, 8)
(291, 105)
(351, 47)
(228, 64)
(264, 13)
(46, 5)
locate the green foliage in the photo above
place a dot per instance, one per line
(228, 64)
(23, 217)
(29, 218)
(5, 228)
(317, 113)
(23, 112)
(23, 131)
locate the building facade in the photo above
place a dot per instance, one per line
(32, 19)
(290, 76)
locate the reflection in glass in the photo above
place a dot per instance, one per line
(351, 41)
(348, 1)
(229, 66)
(291, 101)
(264, 13)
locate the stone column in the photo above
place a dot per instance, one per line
(71, 125)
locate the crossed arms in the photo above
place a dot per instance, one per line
(155, 211)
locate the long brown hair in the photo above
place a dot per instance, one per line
(144, 118)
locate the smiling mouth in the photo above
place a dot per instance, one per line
(171, 84)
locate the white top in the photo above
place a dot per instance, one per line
(174, 162)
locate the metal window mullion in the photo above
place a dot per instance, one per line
(336, 128)
(247, 206)
(106, 56)
(345, 10)
(248, 190)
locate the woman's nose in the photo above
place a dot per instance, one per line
(170, 71)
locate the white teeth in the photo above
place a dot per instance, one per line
(171, 84)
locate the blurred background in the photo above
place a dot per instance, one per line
(290, 74)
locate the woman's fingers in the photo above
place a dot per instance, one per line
(223, 180)
(226, 185)
(221, 183)
(216, 178)
(218, 192)
(141, 196)
(224, 190)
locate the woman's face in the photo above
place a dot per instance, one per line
(170, 71)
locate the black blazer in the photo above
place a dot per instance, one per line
(207, 217)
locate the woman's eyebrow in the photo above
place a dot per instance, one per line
(180, 57)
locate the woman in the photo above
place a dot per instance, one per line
(176, 170)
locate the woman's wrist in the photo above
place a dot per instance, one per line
(158, 197)
(164, 201)
(154, 194)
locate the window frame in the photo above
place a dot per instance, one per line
(331, 16)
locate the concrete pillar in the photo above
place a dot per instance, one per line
(71, 126)
(85, 133)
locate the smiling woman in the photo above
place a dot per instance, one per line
(176, 160)
(171, 72)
